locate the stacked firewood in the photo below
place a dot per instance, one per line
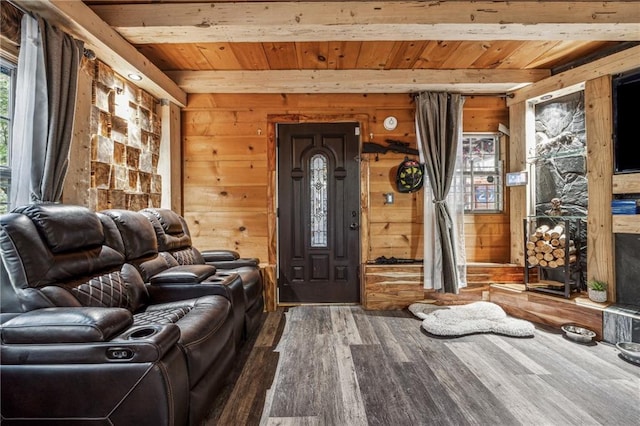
(547, 246)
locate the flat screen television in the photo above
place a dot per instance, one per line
(626, 122)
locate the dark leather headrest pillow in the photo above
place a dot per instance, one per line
(138, 237)
(65, 227)
(112, 237)
(169, 220)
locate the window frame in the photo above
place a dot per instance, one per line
(5, 169)
(472, 189)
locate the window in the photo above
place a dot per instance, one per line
(318, 189)
(7, 85)
(482, 172)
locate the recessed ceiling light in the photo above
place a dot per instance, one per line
(135, 77)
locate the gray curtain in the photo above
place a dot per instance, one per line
(46, 86)
(62, 55)
(439, 127)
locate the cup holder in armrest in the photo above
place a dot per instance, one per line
(142, 333)
(222, 278)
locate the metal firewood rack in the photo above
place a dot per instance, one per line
(564, 279)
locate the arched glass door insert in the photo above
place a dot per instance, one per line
(318, 210)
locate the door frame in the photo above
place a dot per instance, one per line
(271, 281)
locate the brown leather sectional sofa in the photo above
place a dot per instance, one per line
(115, 331)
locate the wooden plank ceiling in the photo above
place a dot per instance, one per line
(296, 46)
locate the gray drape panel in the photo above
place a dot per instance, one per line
(438, 120)
(62, 54)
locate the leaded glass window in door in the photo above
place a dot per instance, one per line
(318, 183)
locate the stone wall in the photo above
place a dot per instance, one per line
(560, 155)
(125, 144)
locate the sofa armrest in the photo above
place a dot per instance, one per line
(83, 336)
(219, 255)
(238, 263)
(66, 325)
(183, 274)
(220, 285)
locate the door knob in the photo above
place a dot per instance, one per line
(353, 226)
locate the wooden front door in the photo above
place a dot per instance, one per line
(318, 213)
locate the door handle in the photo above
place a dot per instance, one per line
(354, 226)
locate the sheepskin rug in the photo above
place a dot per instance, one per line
(476, 317)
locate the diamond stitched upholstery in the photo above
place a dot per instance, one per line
(185, 257)
(107, 291)
(166, 316)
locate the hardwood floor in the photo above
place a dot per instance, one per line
(342, 365)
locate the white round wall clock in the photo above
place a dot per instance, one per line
(390, 123)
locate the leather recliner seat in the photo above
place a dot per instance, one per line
(94, 344)
(166, 278)
(174, 238)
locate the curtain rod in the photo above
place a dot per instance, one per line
(498, 95)
(492, 95)
(88, 53)
(20, 8)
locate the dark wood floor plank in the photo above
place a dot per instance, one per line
(365, 328)
(387, 335)
(298, 381)
(354, 413)
(271, 329)
(243, 396)
(328, 396)
(344, 325)
(429, 401)
(385, 403)
(246, 401)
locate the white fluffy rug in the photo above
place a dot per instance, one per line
(476, 317)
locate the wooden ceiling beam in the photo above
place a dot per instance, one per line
(613, 64)
(355, 81)
(376, 20)
(77, 19)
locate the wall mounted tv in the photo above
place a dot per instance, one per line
(626, 122)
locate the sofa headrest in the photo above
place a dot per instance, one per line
(64, 227)
(168, 228)
(133, 235)
(54, 244)
(169, 220)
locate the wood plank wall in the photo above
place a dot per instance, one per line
(226, 182)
